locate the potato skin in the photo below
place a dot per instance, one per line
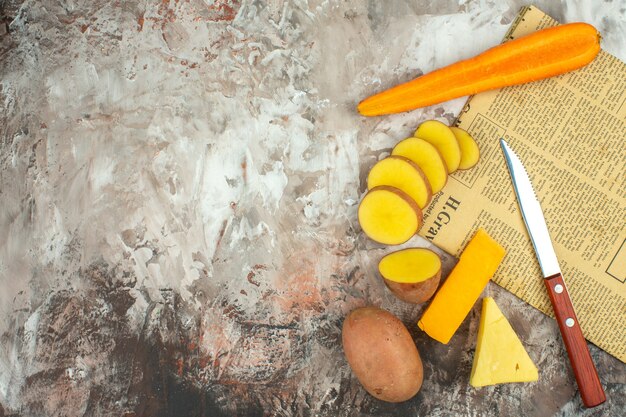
(382, 354)
(416, 293)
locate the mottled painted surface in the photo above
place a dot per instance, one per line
(178, 190)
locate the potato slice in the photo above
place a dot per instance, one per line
(469, 148)
(427, 157)
(389, 216)
(411, 274)
(405, 175)
(442, 138)
(408, 266)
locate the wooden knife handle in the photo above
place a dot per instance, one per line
(591, 390)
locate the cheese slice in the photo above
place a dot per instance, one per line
(460, 291)
(500, 356)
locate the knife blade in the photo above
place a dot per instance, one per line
(589, 385)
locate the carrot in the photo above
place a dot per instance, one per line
(542, 54)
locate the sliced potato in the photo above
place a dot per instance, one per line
(389, 216)
(405, 175)
(412, 274)
(411, 265)
(427, 157)
(469, 148)
(442, 138)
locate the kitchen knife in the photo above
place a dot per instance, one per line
(585, 372)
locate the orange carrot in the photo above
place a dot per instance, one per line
(542, 54)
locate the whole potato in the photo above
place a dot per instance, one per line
(382, 354)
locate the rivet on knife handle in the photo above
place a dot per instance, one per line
(591, 390)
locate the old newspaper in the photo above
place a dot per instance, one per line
(570, 132)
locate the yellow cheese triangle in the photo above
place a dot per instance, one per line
(500, 356)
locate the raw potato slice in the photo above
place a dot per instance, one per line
(454, 300)
(400, 172)
(442, 138)
(411, 274)
(408, 266)
(500, 357)
(425, 156)
(389, 216)
(469, 148)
